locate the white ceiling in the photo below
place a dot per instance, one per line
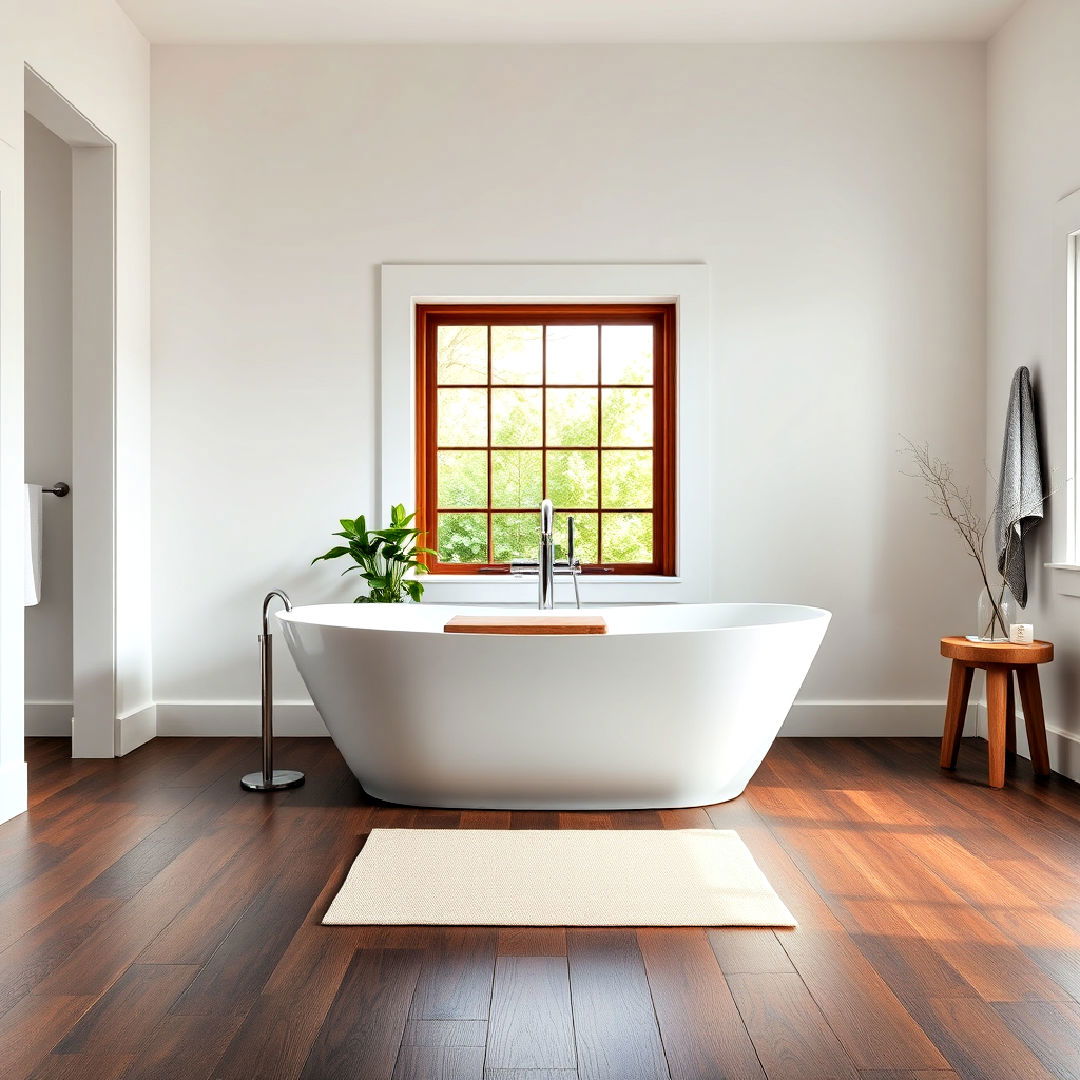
(287, 21)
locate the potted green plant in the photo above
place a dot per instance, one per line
(383, 557)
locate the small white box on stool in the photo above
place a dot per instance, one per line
(1021, 633)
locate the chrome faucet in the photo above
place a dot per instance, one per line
(545, 566)
(546, 576)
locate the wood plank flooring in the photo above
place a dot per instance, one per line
(156, 922)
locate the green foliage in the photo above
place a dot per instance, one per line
(572, 417)
(463, 478)
(627, 479)
(517, 478)
(586, 547)
(514, 536)
(463, 538)
(571, 477)
(462, 416)
(383, 556)
(628, 416)
(627, 538)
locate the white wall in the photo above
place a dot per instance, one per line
(837, 192)
(91, 53)
(1034, 160)
(47, 334)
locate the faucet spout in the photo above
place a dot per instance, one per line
(546, 557)
(547, 517)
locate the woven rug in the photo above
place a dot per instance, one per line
(495, 877)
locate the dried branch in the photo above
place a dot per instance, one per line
(956, 505)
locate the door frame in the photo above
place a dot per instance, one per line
(93, 482)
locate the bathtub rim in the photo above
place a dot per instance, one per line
(808, 614)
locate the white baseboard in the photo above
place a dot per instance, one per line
(52, 718)
(12, 789)
(868, 719)
(1063, 746)
(236, 718)
(837, 718)
(135, 728)
(865, 719)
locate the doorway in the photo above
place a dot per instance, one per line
(47, 371)
(69, 419)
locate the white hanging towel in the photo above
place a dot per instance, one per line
(33, 545)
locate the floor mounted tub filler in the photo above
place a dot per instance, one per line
(676, 705)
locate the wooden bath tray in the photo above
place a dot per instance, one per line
(515, 624)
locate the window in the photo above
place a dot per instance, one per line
(572, 402)
(1066, 525)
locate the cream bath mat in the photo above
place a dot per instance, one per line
(494, 877)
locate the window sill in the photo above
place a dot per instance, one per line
(488, 589)
(606, 580)
(1066, 577)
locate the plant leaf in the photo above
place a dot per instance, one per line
(333, 553)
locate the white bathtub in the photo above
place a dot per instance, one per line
(675, 706)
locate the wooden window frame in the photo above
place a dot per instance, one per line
(662, 316)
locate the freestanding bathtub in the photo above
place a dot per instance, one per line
(675, 706)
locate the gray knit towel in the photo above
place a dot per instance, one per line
(1020, 489)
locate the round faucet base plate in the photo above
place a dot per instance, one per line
(280, 780)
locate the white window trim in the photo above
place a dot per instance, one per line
(405, 286)
(1066, 544)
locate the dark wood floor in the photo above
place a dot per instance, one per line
(156, 923)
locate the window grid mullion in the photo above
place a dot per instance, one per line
(543, 413)
(600, 442)
(488, 518)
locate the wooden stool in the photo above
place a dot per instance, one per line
(999, 659)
